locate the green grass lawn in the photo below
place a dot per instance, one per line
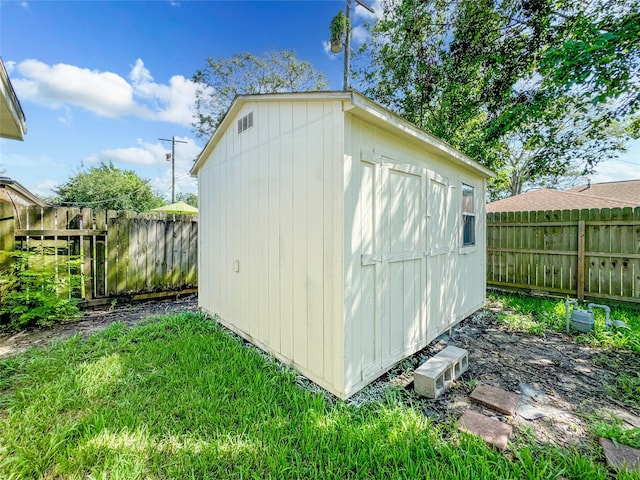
(180, 397)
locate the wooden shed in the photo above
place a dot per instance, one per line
(336, 235)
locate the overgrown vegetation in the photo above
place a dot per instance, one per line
(108, 187)
(539, 91)
(536, 314)
(621, 348)
(34, 293)
(180, 397)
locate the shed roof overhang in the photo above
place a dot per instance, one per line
(360, 106)
(12, 121)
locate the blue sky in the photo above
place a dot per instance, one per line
(102, 81)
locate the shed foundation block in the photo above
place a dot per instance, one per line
(433, 377)
(459, 358)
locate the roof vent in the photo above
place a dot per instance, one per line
(245, 122)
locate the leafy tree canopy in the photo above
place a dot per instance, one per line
(108, 187)
(482, 75)
(188, 198)
(244, 73)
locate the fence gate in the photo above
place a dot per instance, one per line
(115, 253)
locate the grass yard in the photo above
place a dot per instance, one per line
(180, 397)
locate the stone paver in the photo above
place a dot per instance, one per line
(492, 431)
(496, 398)
(621, 457)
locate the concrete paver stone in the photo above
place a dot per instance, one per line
(492, 431)
(495, 398)
(621, 457)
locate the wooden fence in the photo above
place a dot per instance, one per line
(583, 253)
(119, 253)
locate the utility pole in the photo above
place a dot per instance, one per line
(347, 40)
(347, 47)
(173, 164)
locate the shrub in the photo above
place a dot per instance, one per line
(34, 293)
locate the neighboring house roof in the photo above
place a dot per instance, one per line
(12, 121)
(356, 104)
(11, 191)
(626, 191)
(597, 195)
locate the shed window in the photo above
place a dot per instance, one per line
(245, 122)
(468, 216)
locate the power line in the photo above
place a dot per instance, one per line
(173, 164)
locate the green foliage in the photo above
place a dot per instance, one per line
(338, 27)
(33, 293)
(599, 54)
(535, 315)
(188, 198)
(627, 388)
(179, 397)
(613, 429)
(244, 73)
(110, 188)
(469, 72)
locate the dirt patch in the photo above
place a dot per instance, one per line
(562, 385)
(560, 382)
(93, 321)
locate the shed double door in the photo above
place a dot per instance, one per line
(397, 254)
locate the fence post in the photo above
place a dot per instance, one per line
(580, 282)
(7, 239)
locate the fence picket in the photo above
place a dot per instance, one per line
(587, 253)
(121, 253)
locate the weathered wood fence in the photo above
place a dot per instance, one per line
(120, 253)
(583, 253)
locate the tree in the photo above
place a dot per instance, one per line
(188, 198)
(244, 73)
(108, 187)
(469, 72)
(599, 53)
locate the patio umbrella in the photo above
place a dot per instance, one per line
(178, 207)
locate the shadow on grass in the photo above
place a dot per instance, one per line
(180, 397)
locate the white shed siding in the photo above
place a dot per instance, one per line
(346, 225)
(274, 199)
(433, 283)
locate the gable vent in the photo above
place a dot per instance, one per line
(245, 122)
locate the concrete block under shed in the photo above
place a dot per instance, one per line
(459, 358)
(433, 377)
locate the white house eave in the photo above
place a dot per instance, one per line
(12, 120)
(371, 109)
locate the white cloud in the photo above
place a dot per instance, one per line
(134, 155)
(359, 35)
(45, 188)
(171, 103)
(106, 93)
(154, 155)
(146, 154)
